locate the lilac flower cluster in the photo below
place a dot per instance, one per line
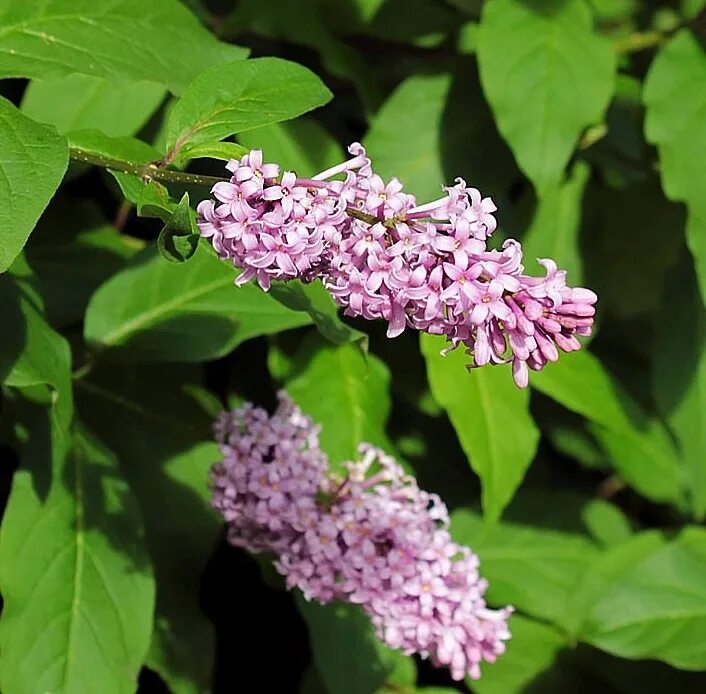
(382, 256)
(372, 538)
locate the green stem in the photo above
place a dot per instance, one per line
(642, 40)
(639, 41)
(149, 171)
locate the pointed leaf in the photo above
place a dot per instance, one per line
(117, 107)
(533, 568)
(74, 573)
(348, 657)
(179, 238)
(346, 394)
(33, 160)
(654, 608)
(531, 651)
(240, 96)
(491, 418)
(547, 76)
(188, 312)
(46, 38)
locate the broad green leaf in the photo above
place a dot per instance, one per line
(533, 568)
(679, 368)
(111, 38)
(547, 76)
(31, 353)
(163, 438)
(128, 149)
(348, 657)
(33, 160)
(491, 418)
(240, 96)
(675, 125)
(344, 392)
(74, 574)
(300, 145)
(116, 107)
(412, 114)
(448, 120)
(179, 238)
(555, 227)
(607, 569)
(215, 150)
(654, 607)
(157, 310)
(318, 303)
(638, 445)
(532, 650)
(606, 523)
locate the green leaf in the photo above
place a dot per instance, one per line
(163, 438)
(547, 76)
(452, 130)
(75, 578)
(154, 201)
(680, 379)
(31, 353)
(675, 125)
(638, 445)
(651, 601)
(408, 117)
(179, 238)
(116, 107)
(532, 650)
(33, 160)
(491, 418)
(112, 38)
(606, 523)
(533, 568)
(214, 150)
(318, 303)
(347, 655)
(127, 149)
(232, 98)
(344, 392)
(191, 311)
(300, 145)
(555, 228)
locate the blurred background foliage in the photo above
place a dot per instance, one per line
(584, 496)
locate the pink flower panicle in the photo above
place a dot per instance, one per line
(382, 256)
(372, 538)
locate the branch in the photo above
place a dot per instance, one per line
(147, 172)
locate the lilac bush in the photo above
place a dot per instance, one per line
(399, 493)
